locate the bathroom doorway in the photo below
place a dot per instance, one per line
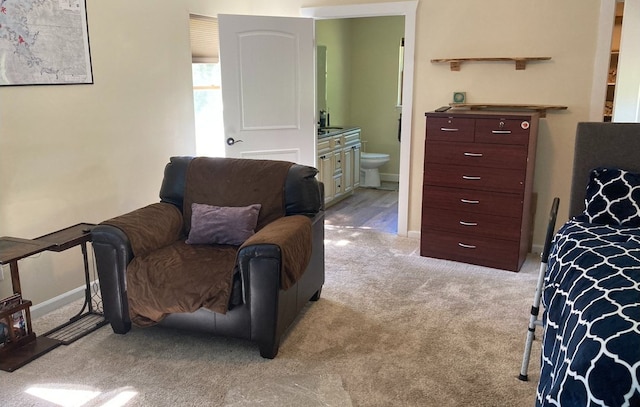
(362, 84)
(407, 9)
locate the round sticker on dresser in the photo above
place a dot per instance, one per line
(524, 125)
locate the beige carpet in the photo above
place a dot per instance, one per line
(391, 329)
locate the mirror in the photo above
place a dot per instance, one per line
(321, 78)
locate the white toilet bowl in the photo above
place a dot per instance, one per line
(369, 164)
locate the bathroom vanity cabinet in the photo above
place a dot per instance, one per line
(339, 163)
(477, 187)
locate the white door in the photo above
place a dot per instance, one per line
(268, 87)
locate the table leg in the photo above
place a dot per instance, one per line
(87, 278)
(15, 277)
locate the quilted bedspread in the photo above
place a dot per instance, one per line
(591, 297)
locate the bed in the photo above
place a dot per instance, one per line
(591, 288)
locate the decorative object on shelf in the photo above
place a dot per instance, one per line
(542, 109)
(459, 97)
(521, 62)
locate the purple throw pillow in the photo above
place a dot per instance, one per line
(222, 224)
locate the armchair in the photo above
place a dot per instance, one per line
(155, 269)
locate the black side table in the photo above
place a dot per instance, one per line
(83, 322)
(30, 347)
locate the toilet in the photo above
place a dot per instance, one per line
(369, 164)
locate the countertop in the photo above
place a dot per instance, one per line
(334, 131)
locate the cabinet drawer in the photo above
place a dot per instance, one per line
(337, 142)
(450, 129)
(324, 146)
(487, 179)
(471, 224)
(471, 200)
(502, 254)
(351, 138)
(477, 154)
(502, 131)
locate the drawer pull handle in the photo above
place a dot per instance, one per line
(447, 129)
(463, 223)
(501, 131)
(466, 246)
(469, 201)
(471, 177)
(473, 154)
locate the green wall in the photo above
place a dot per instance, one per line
(362, 79)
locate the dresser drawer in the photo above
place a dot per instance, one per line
(502, 254)
(502, 131)
(450, 129)
(487, 179)
(471, 200)
(471, 224)
(477, 154)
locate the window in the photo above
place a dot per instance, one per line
(207, 103)
(207, 97)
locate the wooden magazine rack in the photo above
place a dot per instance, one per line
(14, 338)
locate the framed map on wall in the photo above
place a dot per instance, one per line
(44, 42)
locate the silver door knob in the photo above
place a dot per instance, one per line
(231, 141)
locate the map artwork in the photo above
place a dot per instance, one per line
(44, 42)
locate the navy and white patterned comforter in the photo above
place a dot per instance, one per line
(591, 296)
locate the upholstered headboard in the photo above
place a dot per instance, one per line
(606, 145)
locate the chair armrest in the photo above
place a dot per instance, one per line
(150, 228)
(116, 241)
(287, 239)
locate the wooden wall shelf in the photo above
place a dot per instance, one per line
(542, 109)
(521, 63)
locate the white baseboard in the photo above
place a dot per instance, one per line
(537, 248)
(59, 301)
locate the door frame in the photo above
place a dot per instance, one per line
(408, 10)
(630, 83)
(601, 60)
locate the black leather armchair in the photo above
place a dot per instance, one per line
(267, 310)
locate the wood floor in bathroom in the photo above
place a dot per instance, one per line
(368, 208)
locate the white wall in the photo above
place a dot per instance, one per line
(85, 153)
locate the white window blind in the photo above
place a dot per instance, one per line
(204, 39)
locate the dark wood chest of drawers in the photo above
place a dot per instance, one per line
(478, 181)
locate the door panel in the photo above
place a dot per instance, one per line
(268, 87)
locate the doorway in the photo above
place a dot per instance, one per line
(408, 10)
(359, 85)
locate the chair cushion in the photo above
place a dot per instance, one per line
(222, 224)
(179, 278)
(236, 182)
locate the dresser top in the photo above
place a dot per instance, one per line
(472, 114)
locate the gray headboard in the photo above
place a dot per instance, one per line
(606, 145)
